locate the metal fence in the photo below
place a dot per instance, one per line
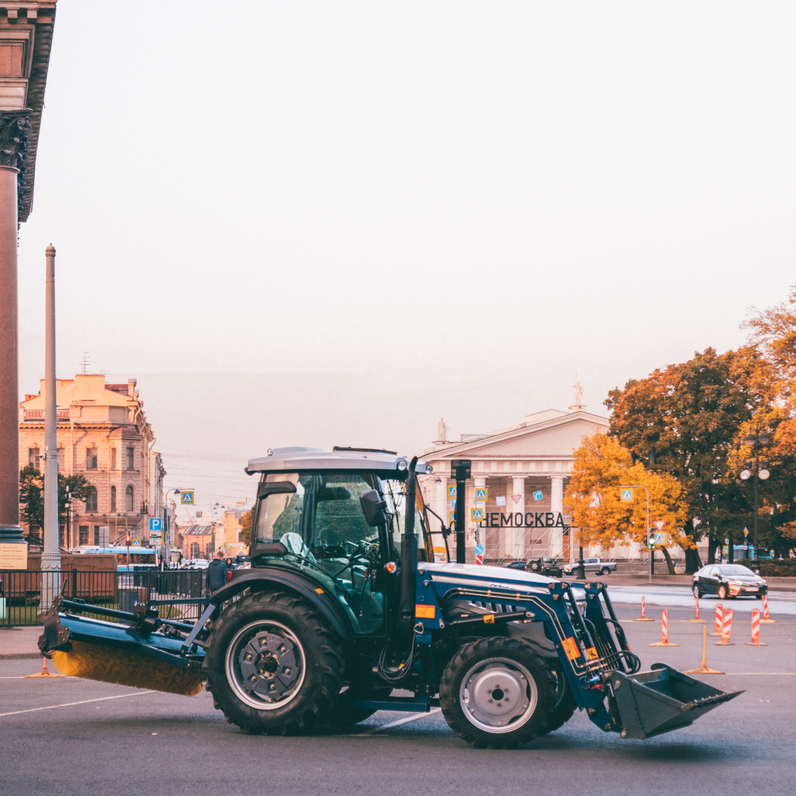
(22, 592)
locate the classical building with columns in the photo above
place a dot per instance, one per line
(514, 502)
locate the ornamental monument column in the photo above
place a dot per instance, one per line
(26, 30)
(14, 127)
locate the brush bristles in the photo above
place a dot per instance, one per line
(126, 667)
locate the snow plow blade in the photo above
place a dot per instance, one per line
(661, 700)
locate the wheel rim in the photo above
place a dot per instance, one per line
(498, 695)
(265, 665)
(696, 591)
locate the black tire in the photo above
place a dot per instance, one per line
(697, 592)
(263, 634)
(758, 596)
(605, 571)
(480, 685)
(564, 706)
(722, 592)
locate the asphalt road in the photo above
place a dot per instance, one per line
(68, 736)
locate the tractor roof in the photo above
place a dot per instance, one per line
(386, 463)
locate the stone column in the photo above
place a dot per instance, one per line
(516, 536)
(557, 507)
(14, 126)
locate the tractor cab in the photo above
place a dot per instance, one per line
(338, 518)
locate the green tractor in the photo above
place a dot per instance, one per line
(344, 612)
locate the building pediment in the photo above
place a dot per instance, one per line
(554, 436)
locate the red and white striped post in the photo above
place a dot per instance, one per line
(696, 612)
(755, 642)
(664, 642)
(719, 620)
(726, 630)
(766, 617)
(643, 617)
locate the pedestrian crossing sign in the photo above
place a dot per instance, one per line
(477, 515)
(627, 495)
(186, 497)
(480, 493)
(451, 491)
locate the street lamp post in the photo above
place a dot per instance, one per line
(166, 523)
(761, 474)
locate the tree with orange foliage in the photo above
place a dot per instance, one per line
(594, 497)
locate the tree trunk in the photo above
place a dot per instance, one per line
(713, 545)
(669, 562)
(692, 561)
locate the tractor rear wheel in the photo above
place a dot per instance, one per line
(273, 664)
(497, 693)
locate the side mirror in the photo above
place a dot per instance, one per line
(374, 507)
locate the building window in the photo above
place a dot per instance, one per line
(33, 457)
(113, 498)
(195, 550)
(113, 458)
(91, 458)
(62, 537)
(131, 458)
(97, 535)
(129, 499)
(91, 500)
(84, 534)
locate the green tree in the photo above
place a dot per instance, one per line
(685, 421)
(31, 495)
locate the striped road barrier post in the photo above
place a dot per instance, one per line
(643, 617)
(696, 612)
(664, 642)
(726, 630)
(766, 617)
(756, 642)
(719, 620)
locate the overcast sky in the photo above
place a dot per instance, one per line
(382, 213)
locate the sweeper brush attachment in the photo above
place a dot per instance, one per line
(137, 650)
(125, 666)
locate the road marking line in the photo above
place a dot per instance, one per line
(72, 704)
(413, 717)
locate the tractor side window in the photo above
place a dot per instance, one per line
(280, 513)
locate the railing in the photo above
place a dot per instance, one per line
(22, 592)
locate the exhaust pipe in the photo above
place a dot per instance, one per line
(406, 605)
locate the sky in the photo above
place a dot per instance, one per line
(306, 223)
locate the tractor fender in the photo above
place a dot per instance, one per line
(259, 579)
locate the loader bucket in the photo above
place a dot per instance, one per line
(661, 700)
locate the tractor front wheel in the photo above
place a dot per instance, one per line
(497, 693)
(273, 665)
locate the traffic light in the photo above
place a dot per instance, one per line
(128, 540)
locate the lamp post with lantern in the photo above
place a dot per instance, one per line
(760, 473)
